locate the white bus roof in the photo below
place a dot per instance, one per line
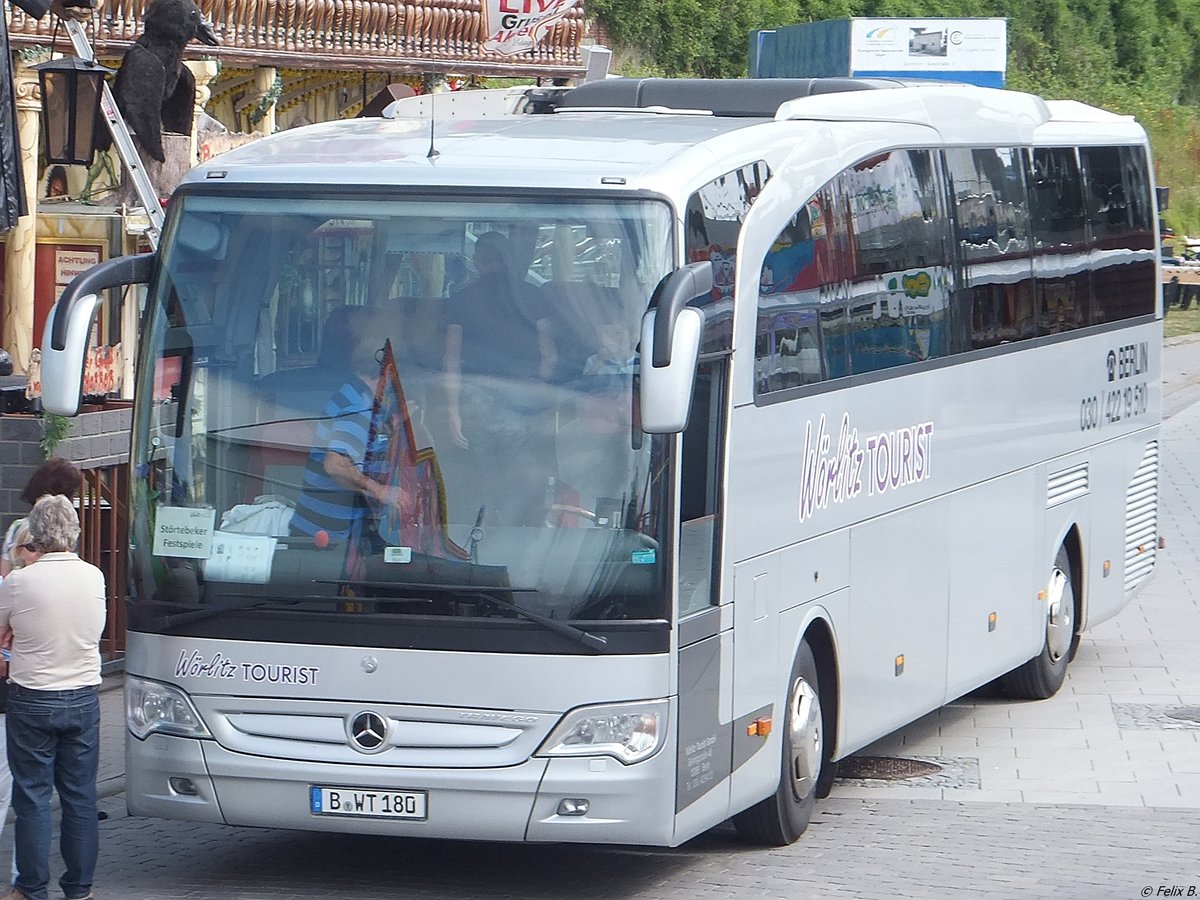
(519, 151)
(651, 134)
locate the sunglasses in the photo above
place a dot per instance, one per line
(32, 548)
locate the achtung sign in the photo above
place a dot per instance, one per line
(72, 261)
(515, 26)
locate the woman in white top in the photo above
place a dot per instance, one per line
(56, 610)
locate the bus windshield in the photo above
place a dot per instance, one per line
(414, 414)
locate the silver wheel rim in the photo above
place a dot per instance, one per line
(805, 739)
(1060, 616)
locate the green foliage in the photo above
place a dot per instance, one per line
(1175, 140)
(1180, 322)
(689, 37)
(266, 101)
(54, 431)
(1135, 57)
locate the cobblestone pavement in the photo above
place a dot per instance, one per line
(1092, 794)
(855, 848)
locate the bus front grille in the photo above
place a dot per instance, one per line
(401, 735)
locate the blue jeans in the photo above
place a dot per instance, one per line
(54, 742)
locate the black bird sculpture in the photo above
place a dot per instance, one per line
(154, 90)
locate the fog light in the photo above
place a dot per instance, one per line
(573, 806)
(184, 786)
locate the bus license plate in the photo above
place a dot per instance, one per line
(377, 803)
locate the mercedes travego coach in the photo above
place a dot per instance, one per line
(603, 474)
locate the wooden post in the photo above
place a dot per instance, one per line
(21, 243)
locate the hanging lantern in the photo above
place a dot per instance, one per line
(71, 90)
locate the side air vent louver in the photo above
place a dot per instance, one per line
(1141, 520)
(1067, 485)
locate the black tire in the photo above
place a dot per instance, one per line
(781, 818)
(1043, 675)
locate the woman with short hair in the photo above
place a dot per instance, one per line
(54, 476)
(56, 610)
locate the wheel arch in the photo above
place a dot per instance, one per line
(1072, 540)
(819, 637)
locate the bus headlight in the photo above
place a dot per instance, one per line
(630, 732)
(151, 706)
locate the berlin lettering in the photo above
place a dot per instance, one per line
(882, 462)
(194, 665)
(1128, 361)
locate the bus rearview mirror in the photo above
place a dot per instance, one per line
(63, 359)
(673, 293)
(69, 326)
(666, 391)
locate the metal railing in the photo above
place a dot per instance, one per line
(431, 36)
(104, 542)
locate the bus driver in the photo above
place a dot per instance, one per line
(339, 495)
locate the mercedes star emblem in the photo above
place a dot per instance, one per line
(368, 732)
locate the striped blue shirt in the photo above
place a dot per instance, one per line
(324, 504)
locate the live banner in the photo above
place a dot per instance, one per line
(515, 26)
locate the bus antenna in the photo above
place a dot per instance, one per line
(433, 153)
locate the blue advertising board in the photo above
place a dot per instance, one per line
(973, 51)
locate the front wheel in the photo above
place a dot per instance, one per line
(1043, 675)
(781, 818)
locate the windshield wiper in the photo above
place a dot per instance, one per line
(279, 603)
(595, 642)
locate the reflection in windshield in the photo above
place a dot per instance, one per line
(410, 407)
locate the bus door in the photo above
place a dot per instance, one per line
(705, 654)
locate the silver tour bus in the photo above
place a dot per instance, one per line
(605, 474)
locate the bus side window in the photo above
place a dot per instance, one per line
(712, 225)
(901, 284)
(995, 299)
(800, 332)
(1060, 265)
(1121, 237)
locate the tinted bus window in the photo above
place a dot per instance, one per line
(1060, 260)
(1117, 198)
(712, 224)
(992, 233)
(801, 332)
(900, 285)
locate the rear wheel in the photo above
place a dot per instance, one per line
(782, 818)
(1043, 675)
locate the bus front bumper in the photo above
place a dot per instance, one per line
(200, 781)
